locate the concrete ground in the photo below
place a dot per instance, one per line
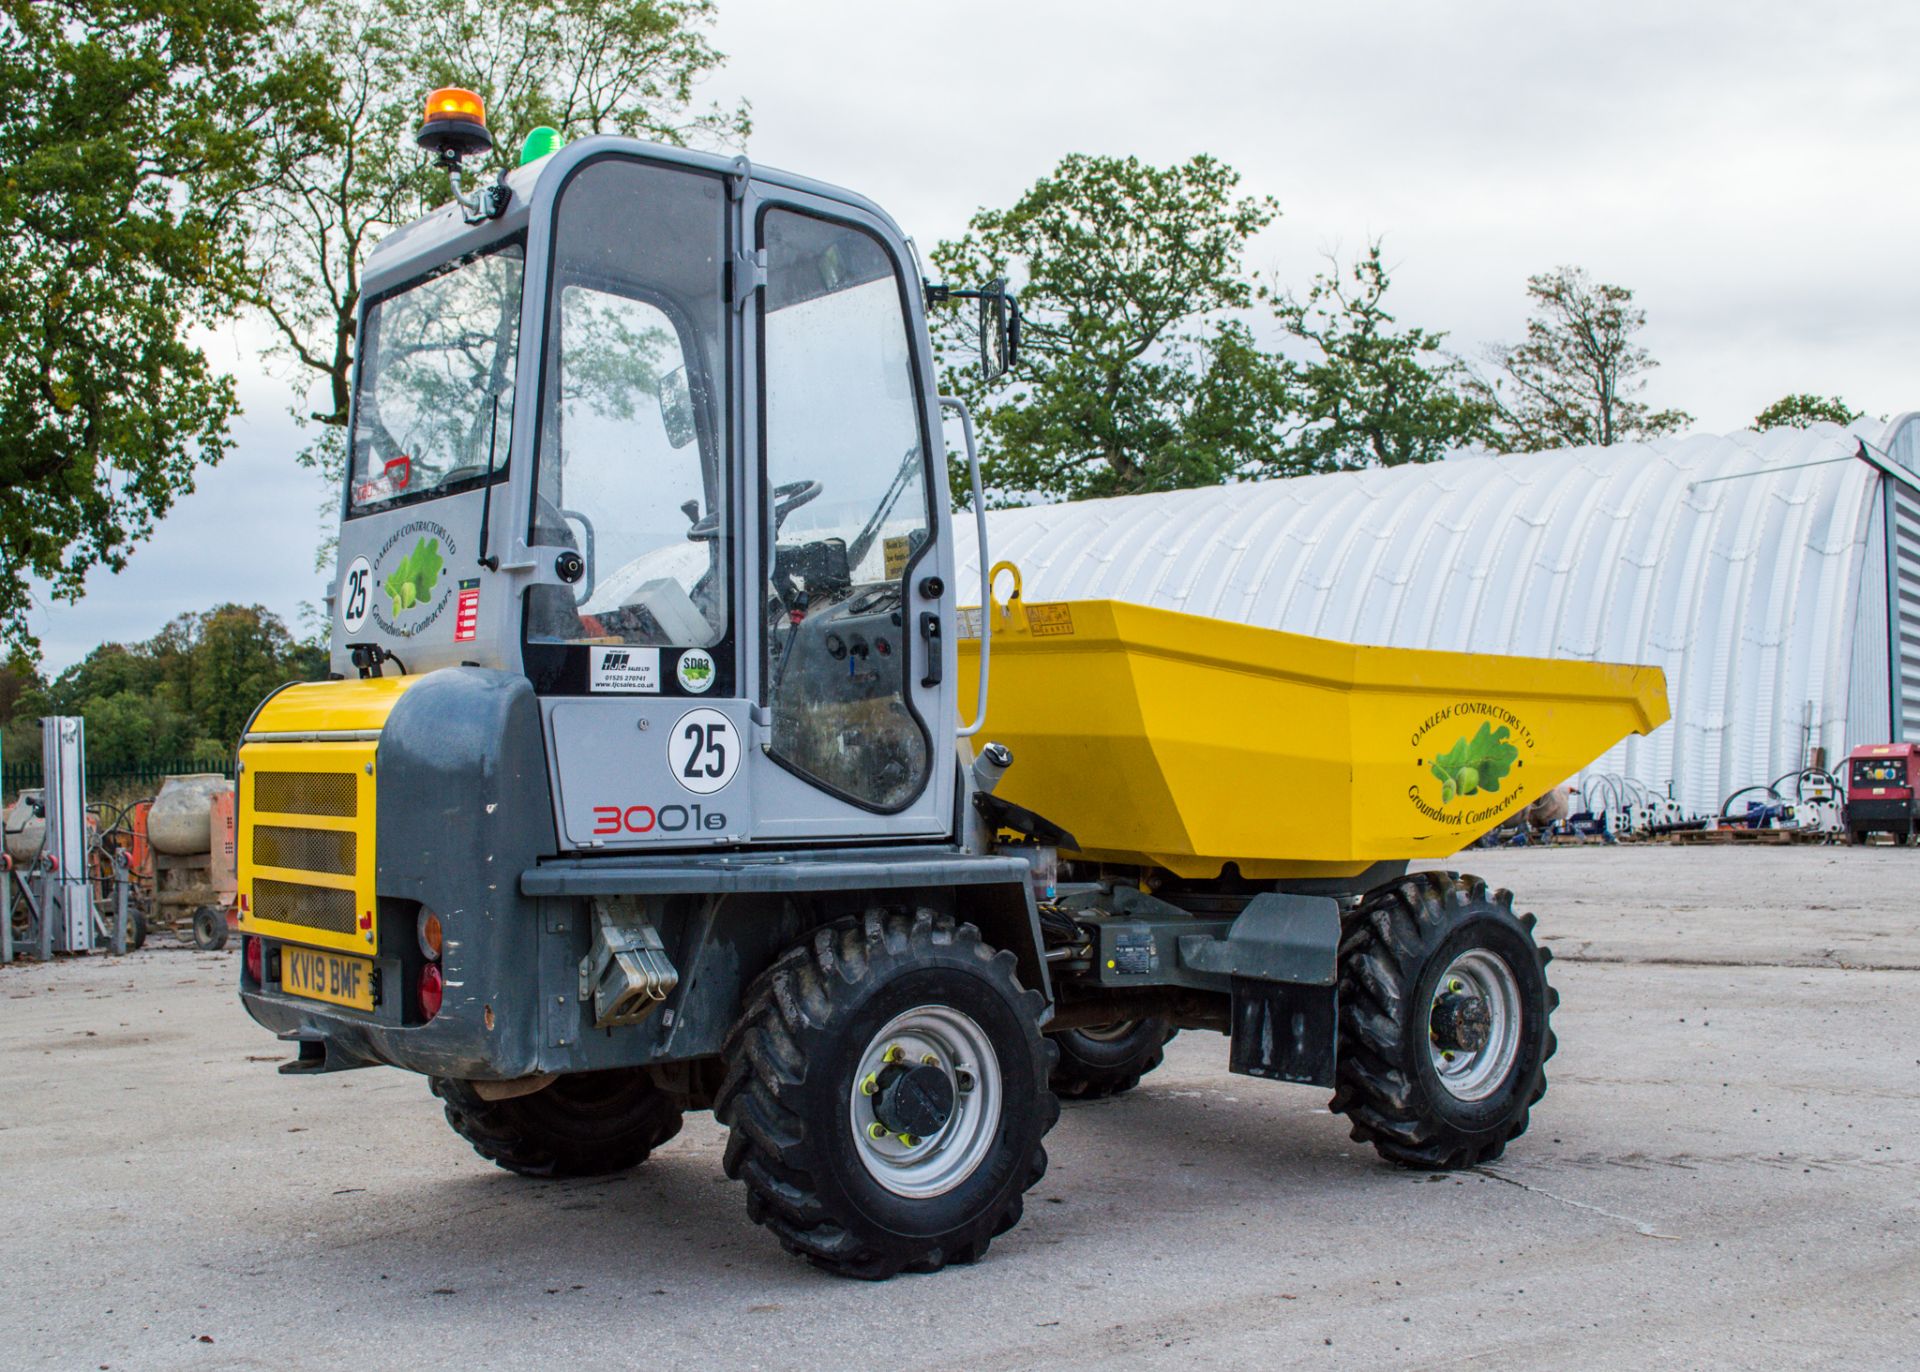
(1725, 1173)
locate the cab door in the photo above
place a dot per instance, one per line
(855, 653)
(634, 647)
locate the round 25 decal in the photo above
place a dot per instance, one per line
(356, 590)
(704, 751)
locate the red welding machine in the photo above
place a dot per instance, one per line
(1881, 781)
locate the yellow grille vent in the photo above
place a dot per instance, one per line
(312, 850)
(306, 793)
(306, 843)
(313, 907)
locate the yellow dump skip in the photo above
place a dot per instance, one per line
(1182, 742)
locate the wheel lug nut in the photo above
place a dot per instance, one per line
(895, 1053)
(964, 1080)
(929, 1060)
(869, 1085)
(910, 1140)
(876, 1131)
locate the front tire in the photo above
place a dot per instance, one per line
(1444, 1021)
(584, 1125)
(1110, 1059)
(886, 1095)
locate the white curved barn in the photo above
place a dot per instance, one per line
(1753, 567)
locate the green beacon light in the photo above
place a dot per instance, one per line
(540, 142)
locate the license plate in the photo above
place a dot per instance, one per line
(316, 975)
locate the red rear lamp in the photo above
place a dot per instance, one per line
(455, 124)
(432, 989)
(256, 960)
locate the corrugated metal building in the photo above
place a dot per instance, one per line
(1775, 576)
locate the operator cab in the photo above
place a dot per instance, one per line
(657, 430)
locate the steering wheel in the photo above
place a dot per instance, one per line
(790, 496)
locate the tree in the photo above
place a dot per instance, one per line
(185, 692)
(1576, 379)
(1801, 411)
(1124, 271)
(128, 133)
(1370, 393)
(579, 66)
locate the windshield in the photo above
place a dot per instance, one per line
(436, 382)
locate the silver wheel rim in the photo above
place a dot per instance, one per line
(1475, 1076)
(1111, 1033)
(931, 1035)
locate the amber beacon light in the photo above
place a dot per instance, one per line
(455, 125)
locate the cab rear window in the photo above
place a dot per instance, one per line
(435, 406)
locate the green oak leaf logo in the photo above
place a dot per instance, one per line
(411, 583)
(698, 669)
(1475, 764)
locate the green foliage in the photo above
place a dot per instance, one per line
(128, 131)
(1369, 393)
(1802, 411)
(1137, 374)
(1124, 268)
(578, 66)
(1576, 379)
(1479, 763)
(411, 583)
(185, 692)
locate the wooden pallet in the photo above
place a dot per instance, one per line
(1772, 837)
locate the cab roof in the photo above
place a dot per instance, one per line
(444, 233)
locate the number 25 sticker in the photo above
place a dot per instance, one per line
(704, 751)
(354, 591)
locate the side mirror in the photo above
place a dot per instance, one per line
(999, 331)
(676, 408)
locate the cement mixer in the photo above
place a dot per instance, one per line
(189, 829)
(26, 827)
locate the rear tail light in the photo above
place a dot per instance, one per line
(430, 934)
(431, 989)
(256, 960)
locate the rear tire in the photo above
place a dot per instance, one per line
(1110, 1059)
(209, 928)
(1411, 955)
(584, 1125)
(890, 1001)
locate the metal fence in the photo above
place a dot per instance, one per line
(145, 779)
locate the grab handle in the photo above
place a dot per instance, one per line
(959, 407)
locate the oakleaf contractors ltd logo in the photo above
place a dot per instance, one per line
(406, 589)
(1469, 781)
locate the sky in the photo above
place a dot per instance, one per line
(1746, 168)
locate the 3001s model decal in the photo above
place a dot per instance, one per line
(649, 819)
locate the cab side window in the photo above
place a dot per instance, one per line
(846, 510)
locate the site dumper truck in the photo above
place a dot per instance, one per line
(642, 786)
